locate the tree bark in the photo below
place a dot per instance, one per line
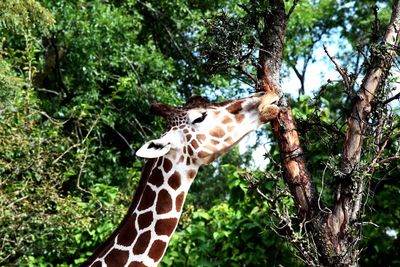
(333, 233)
(272, 42)
(351, 184)
(284, 127)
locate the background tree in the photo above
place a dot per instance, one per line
(327, 232)
(76, 80)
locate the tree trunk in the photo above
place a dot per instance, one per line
(334, 234)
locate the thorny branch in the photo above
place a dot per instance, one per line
(286, 225)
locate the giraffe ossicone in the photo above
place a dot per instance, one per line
(197, 134)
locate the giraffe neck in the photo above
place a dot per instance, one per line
(143, 236)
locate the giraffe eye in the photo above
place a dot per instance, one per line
(200, 119)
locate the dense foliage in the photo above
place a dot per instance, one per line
(76, 82)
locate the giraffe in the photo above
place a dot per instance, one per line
(197, 133)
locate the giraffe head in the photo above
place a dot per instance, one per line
(200, 131)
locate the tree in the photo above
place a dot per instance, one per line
(75, 88)
(326, 233)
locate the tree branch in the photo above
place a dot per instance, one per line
(348, 84)
(272, 42)
(390, 99)
(330, 231)
(292, 8)
(369, 87)
(241, 69)
(351, 183)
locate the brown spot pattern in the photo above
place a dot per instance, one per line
(145, 219)
(117, 257)
(211, 148)
(128, 232)
(217, 132)
(230, 128)
(228, 140)
(147, 199)
(164, 202)
(167, 165)
(179, 201)
(190, 151)
(141, 243)
(200, 137)
(156, 177)
(157, 250)
(239, 118)
(226, 120)
(181, 159)
(191, 174)
(202, 154)
(165, 226)
(188, 137)
(215, 142)
(235, 108)
(188, 161)
(175, 180)
(194, 144)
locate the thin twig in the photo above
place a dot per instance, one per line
(80, 173)
(16, 201)
(53, 120)
(325, 209)
(245, 72)
(78, 144)
(79, 179)
(379, 152)
(48, 91)
(65, 152)
(133, 69)
(126, 141)
(346, 79)
(366, 58)
(386, 160)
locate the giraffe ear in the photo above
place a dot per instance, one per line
(154, 149)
